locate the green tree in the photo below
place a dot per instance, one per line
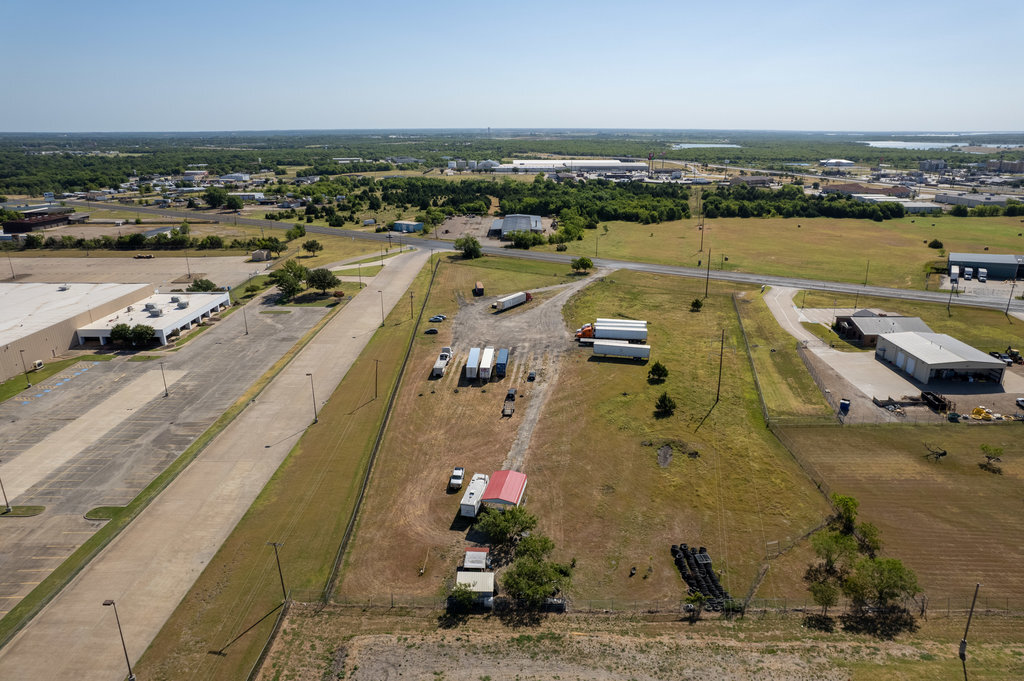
(824, 594)
(657, 373)
(322, 279)
(696, 305)
(696, 601)
(845, 517)
(582, 263)
(312, 246)
(286, 283)
(664, 405)
(201, 286)
(879, 583)
(461, 599)
(469, 246)
(121, 334)
(233, 203)
(536, 546)
(502, 527)
(141, 335)
(215, 196)
(295, 269)
(530, 580)
(959, 211)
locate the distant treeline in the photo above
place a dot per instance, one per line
(743, 201)
(36, 163)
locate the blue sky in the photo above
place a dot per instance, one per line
(225, 65)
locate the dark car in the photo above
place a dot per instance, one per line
(431, 330)
(532, 376)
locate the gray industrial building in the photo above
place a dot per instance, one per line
(517, 223)
(864, 326)
(928, 357)
(973, 200)
(998, 266)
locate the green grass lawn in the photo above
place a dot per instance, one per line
(818, 248)
(984, 329)
(17, 384)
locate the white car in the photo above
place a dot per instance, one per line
(1020, 402)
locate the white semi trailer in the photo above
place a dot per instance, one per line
(473, 363)
(618, 348)
(511, 301)
(602, 330)
(622, 322)
(486, 364)
(470, 505)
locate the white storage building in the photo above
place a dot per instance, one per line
(935, 356)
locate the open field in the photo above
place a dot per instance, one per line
(377, 644)
(833, 250)
(951, 522)
(984, 329)
(306, 505)
(598, 491)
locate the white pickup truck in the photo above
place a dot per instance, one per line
(442, 362)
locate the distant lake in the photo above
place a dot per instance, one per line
(894, 144)
(687, 145)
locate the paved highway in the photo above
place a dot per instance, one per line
(674, 270)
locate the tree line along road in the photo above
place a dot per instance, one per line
(672, 270)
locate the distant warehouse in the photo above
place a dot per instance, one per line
(998, 266)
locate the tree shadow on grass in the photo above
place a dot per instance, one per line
(883, 624)
(515, 616)
(820, 623)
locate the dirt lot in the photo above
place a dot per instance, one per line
(480, 227)
(451, 422)
(320, 644)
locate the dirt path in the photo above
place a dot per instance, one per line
(536, 334)
(151, 565)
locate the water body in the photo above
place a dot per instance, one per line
(687, 145)
(895, 144)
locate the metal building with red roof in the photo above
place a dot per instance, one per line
(505, 489)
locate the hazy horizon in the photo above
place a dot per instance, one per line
(324, 66)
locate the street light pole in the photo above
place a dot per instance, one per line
(9, 262)
(313, 392)
(381, 307)
(163, 376)
(188, 268)
(246, 320)
(131, 675)
(28, 383)
(276, 545)
(7, 504)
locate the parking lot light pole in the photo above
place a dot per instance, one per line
(163, 376)
(313, 392)
(131, 676)
(246, 320)
(7, 504)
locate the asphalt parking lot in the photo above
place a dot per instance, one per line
(99, 432)
(163, 273)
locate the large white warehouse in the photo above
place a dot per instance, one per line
(936, 356)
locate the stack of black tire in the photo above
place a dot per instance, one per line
(695, 567)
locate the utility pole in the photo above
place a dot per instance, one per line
(280, 573)
(950, 301)
(9, 262)
(721, 355)
(707, 277)
(163, 376)
(1012, 286)
(412, 314)
(963, 641)
(866, 270)
(376, 367)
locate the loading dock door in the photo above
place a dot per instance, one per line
(911, 363)
(900, 359)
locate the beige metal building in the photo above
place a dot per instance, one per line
(40, 321)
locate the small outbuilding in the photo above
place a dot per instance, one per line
(477, 558)
(407, 226)
(864, 326)
(505, 490)
(480, 583)
(935, 356)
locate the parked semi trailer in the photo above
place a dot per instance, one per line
(600, 330)
(622, 322)
(470, 505)
(486, 364)
(501, 363)
(511, 301)
(473, 363)
(954, 273)
(619, 348)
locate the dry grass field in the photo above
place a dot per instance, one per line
(598, 490)
(950, 521)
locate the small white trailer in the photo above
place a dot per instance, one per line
(511, 301)
(470, 504)
(473, 363)
(486, 364)
(618, 348)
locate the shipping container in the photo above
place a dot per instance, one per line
(473, 363)
(478, 290)
(511, 301)
(501, 363)
(486, 364)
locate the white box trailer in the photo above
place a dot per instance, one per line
(470, 504)
(954, 272)
(618, 348)
(473, 363)
(511, 300)
(982, 274)
(968, 271)
(621, 322)
(486, 364)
